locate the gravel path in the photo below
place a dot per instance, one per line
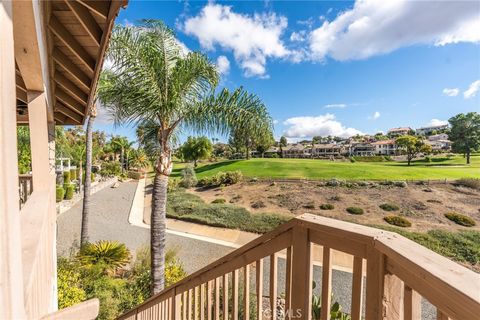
(109, 221)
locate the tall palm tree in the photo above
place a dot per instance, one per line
(157, 86)
(88, 177)
(124, 145)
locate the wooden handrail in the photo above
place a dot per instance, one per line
(87, 310)
(397, 272)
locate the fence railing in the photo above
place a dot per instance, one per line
(396, 272)
(25, 187)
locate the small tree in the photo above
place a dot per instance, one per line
(465, 133)
(264, 143)
(412, 146)
(196, 148)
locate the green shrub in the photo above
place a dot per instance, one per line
(473, 183)
(110, 169)
(66, 177)
(460, 219)
(327, 206)
(428, 159)
(335, 183)
(60, 193)
(135, 175)
(309, 205)
(219, 200)
(398, 221)
(389, 207)
(111, 255)
(355, 210)
(69, 190)
(189, 178)
(70, 291)
(172, 184)
(352, 160)
(73, 174)
(370, 158)
(221, 179)
(258, 204)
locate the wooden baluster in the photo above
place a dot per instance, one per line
(301, 304)
(202, 301)
(217, 298)
(159, 311)
(326, 283)
(246, 293)
(412, 307)
(177, 307)
(184, 305)
(259, 282)
(357, 288)
(209, 300)
(441, 315)
(392, 297)
(195, 304)
(235, 294)
(225, 296)
(273, 286)
(375, 285)
(288, 282)
(189, 305)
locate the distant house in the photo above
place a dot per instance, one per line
(385, 147)
(271, 152)
(440, 145)
(327, 150)
(295, 151)
(399, 131)
(429, 130)
(362, 149)
(440, 136)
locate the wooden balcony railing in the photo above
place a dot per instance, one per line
(25, 187)
(397, 272)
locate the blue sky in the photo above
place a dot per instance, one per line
(336, 67)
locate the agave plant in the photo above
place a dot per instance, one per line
(111, 255)
(336, 312)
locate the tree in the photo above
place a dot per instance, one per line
(263, 143)
(282, 144)
(412, 146)
(88, 177)
(124, 145)
(157, 86)
(465, 133)
(196, 148)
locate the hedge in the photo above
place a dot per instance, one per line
(60, 192)
(69, 189)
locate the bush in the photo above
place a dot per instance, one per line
(327, 206)
(258, 204)
(69, 190)
(110, 169)
(219, 200)
(400, 184)
(60, 193)
(111, 255)
(398, 221)
(309, 205)
(473, 183)
(335, 183)
(355, 210)
(221, 179)
(73, 174)
(370, 158)
(66, 177)
(460, 219)
(70, 291)
(135, 175)
(172, 184)
(189, 178)
(389, 207)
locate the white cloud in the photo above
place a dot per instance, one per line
(251, 38)
(472, 89)
(223, 65)
(375, 115)
(103, 116)
(375, 27)
(436, 122)
(451, 92)
(323, 125)
(336, 105)
(299, 36)
(275, 121)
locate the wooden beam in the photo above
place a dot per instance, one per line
(22, 95)
(59, 117)
(69, 102)
(71, 88)
(69, 113)
(86, 20)
(72, 69)
(69, 41)
(101, 8)
(19, 82)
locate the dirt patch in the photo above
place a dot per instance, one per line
(424, 209)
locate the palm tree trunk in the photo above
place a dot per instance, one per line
(158, 221)
(88, 183)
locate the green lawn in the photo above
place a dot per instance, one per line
(438, 168)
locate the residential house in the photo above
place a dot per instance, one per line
(327, 150)
(296, 151)
(362, 149)
(395, 132)
(385, 147)
(51, 57)
(429, 130)
(440, 145)
(436, 137)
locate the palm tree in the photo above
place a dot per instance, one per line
(88, 177)
(155, 85)
(110, 255)
(124, 145)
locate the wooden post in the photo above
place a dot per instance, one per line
(235, 294)
(301, 304)
(392, 298)
(273, 286)
(225, 296)
(326, 283)
(375, 285)
(412, 307)
(11, 277)
(259, 283)
(357, 288)
(39, 142)
(246, 293)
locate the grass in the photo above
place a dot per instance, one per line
(462, 246)
(189, 207)
(438, 168)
